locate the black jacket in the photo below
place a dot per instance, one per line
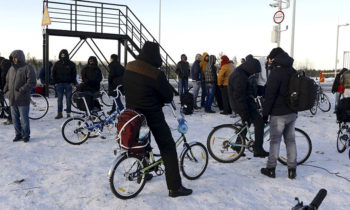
(5, 66)
(276, 91)
(242, 90)
(183, 69)
(64, 70)
(337, 80)
(91, 76)
(115, 77)
(196, 71)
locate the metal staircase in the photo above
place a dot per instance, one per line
(91, 20)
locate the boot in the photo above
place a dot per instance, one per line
(261, 153)
(270, 172)
(17, 138)
(292, 173)
(59, 115)
(182, 191)
(68, 114)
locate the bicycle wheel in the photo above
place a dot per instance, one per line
(313, 110)
(39, 106)
(74, 104)
(324, 103)
(194, 161)
(342, 138)
(52, 92)
(106, 100)
(74, 131)
(126, 180)
(224, 144)
(304, 148)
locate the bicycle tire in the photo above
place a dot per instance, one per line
(225, 144)
(194, 153)
(341, 143)
(81, 139)
(39, 106)
(106, 100)
(298, 132)
(120, 189)
(313, 110)
(324, 100)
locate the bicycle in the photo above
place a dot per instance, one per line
(322, 102)
(226, 147)
(128, 171)
(343, 138)
(316, 202)
(39, 106)
(77, 130)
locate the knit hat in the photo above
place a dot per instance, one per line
(274, 52)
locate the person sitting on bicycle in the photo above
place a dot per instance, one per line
(146, 91)
(242, 91)
(282, 118)
(115, 78)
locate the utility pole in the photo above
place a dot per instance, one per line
(279, 25)
(293, 31)
(336, 48)
(160, 18)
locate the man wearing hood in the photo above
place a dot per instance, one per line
(115, 78)
(203, 64)
(282, 118)
(242, 91)
(196, 79)
(225, 70)
(20, 79)
(183, 72)
(210, 83)
(64, 76)
(91, 76)
(146, 91)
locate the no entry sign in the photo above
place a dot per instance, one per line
(278, 17)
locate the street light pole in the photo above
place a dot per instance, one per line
(336, 48)
(293, 31)
(279, 25)
(160, 18)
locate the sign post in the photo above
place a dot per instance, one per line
(278, 18)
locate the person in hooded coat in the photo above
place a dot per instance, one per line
(115, 78)
(146, 91)
(203, 64)
(224, 72)
(183, 72)
(64, 75)
(282, 118)
(91, 76)
(5, 66)
(210, 83)
(241, 90)
(196, 79)
(20, 79)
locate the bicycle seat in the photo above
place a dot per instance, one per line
(80, 95)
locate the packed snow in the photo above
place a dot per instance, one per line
(49, 173)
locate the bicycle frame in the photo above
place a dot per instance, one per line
(250, 133)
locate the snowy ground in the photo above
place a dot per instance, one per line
(58, 175)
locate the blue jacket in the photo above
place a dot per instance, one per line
(196, 71)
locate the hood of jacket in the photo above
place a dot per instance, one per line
(212, 60)
(224, 60)
(203, 57)
(284, 60)
(20, 56)
(94, 59)
(251, 66)
(150, 53)
(65, 52)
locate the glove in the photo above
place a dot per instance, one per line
(266, 119)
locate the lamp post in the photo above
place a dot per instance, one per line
(293, 31)
(336, 48)
(160, 18)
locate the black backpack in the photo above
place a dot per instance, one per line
(187, 103)
(302, 92)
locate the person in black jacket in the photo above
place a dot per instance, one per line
(146, 91)
(242, 92)
(64, 76)
(196, 79)
(335, 88)
(115, 78)
(5, 66)
(282, 118)
(183, 72)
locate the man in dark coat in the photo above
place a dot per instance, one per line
(146, 91)
(183, 72)
(282, 118)
(196, 73)
(241, 96)
(64, 76)
(5, 66)
(115, 78)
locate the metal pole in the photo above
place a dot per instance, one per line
(293, 31)
(125, 52)
(336, 52)
(160, 18)
(279, 25)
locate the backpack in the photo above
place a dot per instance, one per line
(133, 132)
(187, 103)
(302, 92)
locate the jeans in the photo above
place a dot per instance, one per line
(210, 87)
(64, 88)
(283, 126)
(204, 93)
(183, 87)
(20, 119)
(196, 87)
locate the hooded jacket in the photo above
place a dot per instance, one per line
(241, 89)
(20, 79)
(203, 64)
(64, 70)
(337, 80)
(183, 69)
(225, 71)
(91, 76)
(146, 87)
(116, 73)
(210, 70)
(196, 71)
(277, 86)
(5, 66)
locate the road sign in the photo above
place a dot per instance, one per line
(278, 17)
(46, 17)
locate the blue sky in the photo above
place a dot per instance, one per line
(234, 27)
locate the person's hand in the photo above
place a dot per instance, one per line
(266, 119)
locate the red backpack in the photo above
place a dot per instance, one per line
(129, 125)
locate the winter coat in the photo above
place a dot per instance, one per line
(91, 76)
(203, 64)
(115, 77)
(345, 79)
(183, 69)
(146, 87)
(43, 72)
(224, 73)
(5, 66)
(241, 89)
(64, 70)
(196, 71)
(262, 76)
(277, 86)
(337, 80)
(20, 79)
(210, 71)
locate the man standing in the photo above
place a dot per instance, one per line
(282, 118)
(115, 78)
(210, 83)
(224, 72)
(5, 66)
(196, 79)
(146, 91)
(203, 64)
(20, 79)
(64, 76)
(183, 72)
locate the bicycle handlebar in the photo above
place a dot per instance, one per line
(316, 202)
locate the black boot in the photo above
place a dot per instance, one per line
(17, 138)
(292, 173)
(261, 153)
(182, 191)
(270, 172)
